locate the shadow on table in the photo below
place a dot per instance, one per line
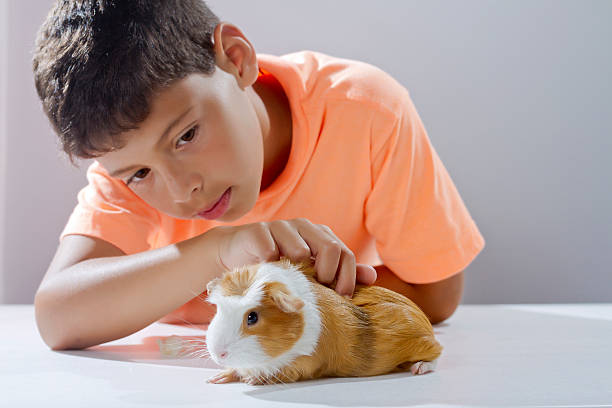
(439, 326)
(192, 354)
(387, 390)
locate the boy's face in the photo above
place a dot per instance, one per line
(201, 137)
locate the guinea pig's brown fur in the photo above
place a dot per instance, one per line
(279, 326)
(375, 332)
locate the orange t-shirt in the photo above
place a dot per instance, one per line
(360, 162)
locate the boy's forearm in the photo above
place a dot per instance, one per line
(103, 299)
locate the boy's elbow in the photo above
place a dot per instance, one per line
(442, 298)
(43, 324)
(443, 309)
(59, 343)
(60, 346)
(443, 313)
(52, 330)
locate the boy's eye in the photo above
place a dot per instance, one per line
(187, 137)
(139, 175)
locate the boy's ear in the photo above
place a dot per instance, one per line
(234, 54)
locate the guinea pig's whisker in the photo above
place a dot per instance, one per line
(192, 347)
(190, 351)
(197, 353)
(194, 341)
(201, 353)
(281, 382)
(193, 326)
(198, 357)
(201, 356)
(188, 348)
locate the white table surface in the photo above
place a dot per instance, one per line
(494, 355)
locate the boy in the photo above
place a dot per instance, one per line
(210, 156)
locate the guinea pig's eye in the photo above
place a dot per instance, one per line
(252, 318)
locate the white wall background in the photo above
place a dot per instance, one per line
(40, 185)
(515, 97)
(3, 109)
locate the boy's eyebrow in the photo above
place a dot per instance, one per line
(161, 138)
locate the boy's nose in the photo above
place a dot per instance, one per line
(184, 195)
(182, 186)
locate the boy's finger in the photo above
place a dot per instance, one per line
(261, 243)
(291, 244)
(346, 277)
(366, 274)
(327, 260)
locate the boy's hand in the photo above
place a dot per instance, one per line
(297, 239)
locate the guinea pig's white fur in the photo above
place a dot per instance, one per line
(245, 354)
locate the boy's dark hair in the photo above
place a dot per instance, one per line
(97, 63)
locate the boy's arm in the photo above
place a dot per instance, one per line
(106, 295)
(438, 300)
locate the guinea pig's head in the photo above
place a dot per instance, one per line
(264, 316)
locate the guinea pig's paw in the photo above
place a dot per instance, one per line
(422, 367)
(225, 376)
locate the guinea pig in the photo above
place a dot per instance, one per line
(276, 324)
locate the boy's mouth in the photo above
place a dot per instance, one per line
(218, 208)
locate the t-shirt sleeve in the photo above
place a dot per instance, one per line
(422, 228)
(109, 210)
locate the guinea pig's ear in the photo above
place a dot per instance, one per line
(283, 300)
(212, 285)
